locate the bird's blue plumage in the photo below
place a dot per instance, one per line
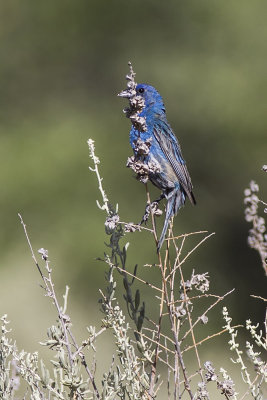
(171, 176)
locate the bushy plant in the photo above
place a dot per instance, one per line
(143, 343)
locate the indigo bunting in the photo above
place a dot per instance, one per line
(157, 148)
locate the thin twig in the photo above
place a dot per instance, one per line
(49, 285)
(138, 279)
(96, 161)
(50, 289)
(175, 336)
(189, 253)
(30, 246)
(188, 312)
(176, 321)
(210, 337)
(189, 299)
(84, 363)
(162, 334)
(252, 384)
(168, 372)
(65, 297)
(137, 226)
(166, 363)
(155, 341)
(154, 365)
(185, 235)
(192, 328)
(258, 297)
(207, 310)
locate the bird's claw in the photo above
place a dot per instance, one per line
(152, 207)
(146, 215)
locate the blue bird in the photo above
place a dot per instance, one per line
(170, 174)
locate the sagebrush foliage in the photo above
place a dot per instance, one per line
(142, 345)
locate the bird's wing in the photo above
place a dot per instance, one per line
(171, 149)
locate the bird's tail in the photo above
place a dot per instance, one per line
(175, 200)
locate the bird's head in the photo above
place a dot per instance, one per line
(153, 100)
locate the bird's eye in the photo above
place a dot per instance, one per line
(141, 90)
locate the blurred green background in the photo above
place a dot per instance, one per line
(62, 65)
